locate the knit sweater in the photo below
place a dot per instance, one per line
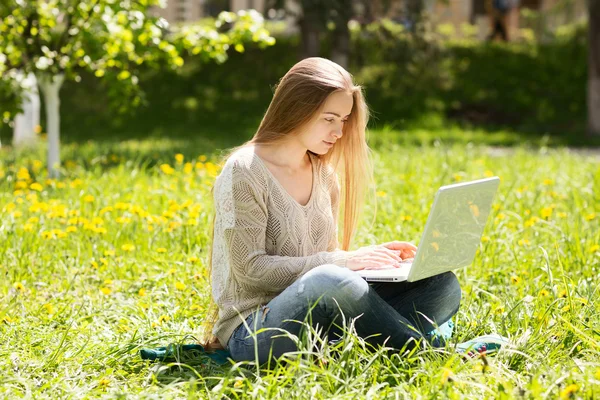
(264, 240)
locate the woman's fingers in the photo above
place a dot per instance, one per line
(394, 254)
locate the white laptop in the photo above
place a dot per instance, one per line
(451, 236)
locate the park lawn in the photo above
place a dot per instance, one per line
(112, 258)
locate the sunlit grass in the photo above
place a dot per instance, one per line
(113, 257)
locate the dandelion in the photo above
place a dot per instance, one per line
(498, 310)
(562, 294)
(202, 158)
(105, 290)
(128, 247)
(562, 215)
(163, 318)
(546, 212)
(17, 214)
(488, 174)
(381, 193)
(406, 218)
(192, 259)
(594, 248)
(179, 158)
(544, 293)
(104, 382)
(8, 320)
(109, 253)
(49, 309)
(548, 182)
(23, 174)
(188, 168)
(180, 286)
(94, 264)
(28, 228)
(457, 177)
(446, 375)
(161, 250)
(191, 222)
(597, 374)
(36, 186)
(523, 242)
(515, 280)
(569, 391)
(167, 169)
(485, 239)
(19, 286)
(142, 292)
(590, 217)
(71, 229)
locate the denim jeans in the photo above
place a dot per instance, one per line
(396, 311)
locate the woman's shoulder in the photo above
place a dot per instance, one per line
(242, 165)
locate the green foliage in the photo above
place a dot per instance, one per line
(113, 40)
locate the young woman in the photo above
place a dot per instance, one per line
(275, 254)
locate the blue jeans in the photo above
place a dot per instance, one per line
(396, 311)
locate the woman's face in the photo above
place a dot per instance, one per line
(327, 126)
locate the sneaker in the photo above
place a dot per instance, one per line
(486, 344)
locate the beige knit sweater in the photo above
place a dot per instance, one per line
(264, 240)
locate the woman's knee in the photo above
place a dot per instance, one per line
(331, 280)
(447, 285)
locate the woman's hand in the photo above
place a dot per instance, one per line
(373, 257)
(406, 249)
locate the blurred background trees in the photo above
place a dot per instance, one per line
(423, 63)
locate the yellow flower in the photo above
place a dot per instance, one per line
(188, 168)
(123, 220)
(109, 253)
(104, 382)
(23, 174)
(498, 310)
(594, 248)
(546, 212)
(488, 174)
(128, 247)
(89, 198)
(568, 392)
(71, 229)
(192, 259)
(167, 169)
(523, 242)
(179, 158)
(28, 228)
(562, 215)
(20, 185)
(590, 217)
(562, 294)
(515, 280)
(548, 182)
(457, 177)
(142, 292)
(161, 250)
(19, 286)
(180, 286)
(163, 318)
(36, 186)
(446, 375)
(191, 222)
(49, 309)
(17, 214)
(47, 235)
(94, 264)
(105, 290)
(202, 158)
(597, 374)
(238, 383)
(544, 293)
(381, 193)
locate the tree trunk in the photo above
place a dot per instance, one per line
(50, 86)
(594, 68)
(340, 52)
(27, 121)
(310, 33)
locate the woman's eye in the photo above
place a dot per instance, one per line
(328, 120)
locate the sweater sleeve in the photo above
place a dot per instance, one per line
(243, 200)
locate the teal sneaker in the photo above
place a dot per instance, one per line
(486, 344)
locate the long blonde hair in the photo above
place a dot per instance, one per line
(298, 97)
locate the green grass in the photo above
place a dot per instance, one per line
(73, 314)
